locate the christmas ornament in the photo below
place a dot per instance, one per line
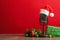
(32, 34)
(27, 35)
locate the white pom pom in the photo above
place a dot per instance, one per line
(52, 14)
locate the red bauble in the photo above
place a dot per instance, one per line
(32, 34)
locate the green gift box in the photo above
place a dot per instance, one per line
(53, 30)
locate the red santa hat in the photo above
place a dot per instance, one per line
(47, 10)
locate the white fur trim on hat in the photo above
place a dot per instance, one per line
(44, 11)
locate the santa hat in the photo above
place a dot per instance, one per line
(46, 10)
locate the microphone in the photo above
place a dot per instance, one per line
(43, 18)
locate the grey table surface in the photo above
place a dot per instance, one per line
(18, 37)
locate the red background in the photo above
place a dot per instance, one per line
(18, 15)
